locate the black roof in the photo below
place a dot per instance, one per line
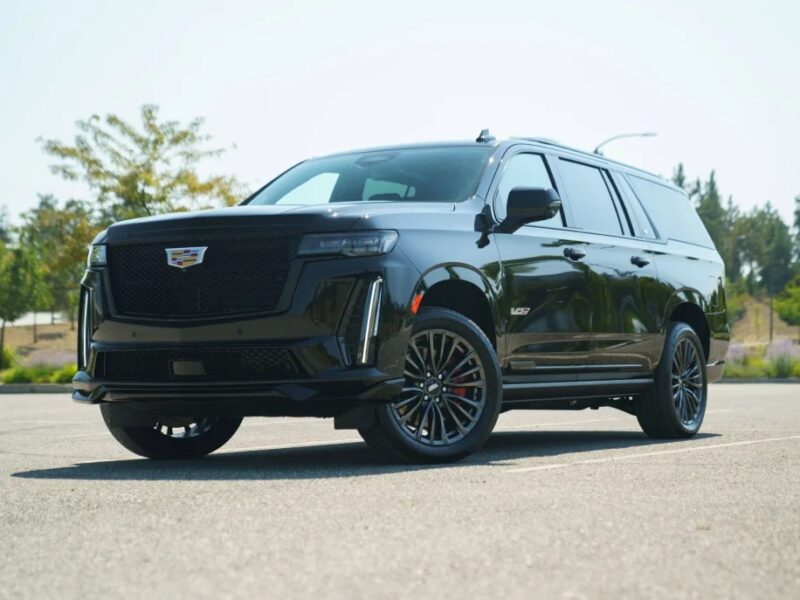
(539, 141)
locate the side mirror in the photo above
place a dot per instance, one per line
(528, 205)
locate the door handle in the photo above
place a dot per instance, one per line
(574, 254)
(639, 261)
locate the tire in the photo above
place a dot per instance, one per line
(440, 419)
(174, 437)
(675, 405)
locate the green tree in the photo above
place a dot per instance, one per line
(142, 171)
(20, 282)
(5, 230)
(679, 176)
(59, 237)
(709, 208)
(797, 228)
(768, 248)
(787, 303)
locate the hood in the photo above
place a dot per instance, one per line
(300, 219)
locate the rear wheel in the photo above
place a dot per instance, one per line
(173, 437)
(675, 405)
(451, 397)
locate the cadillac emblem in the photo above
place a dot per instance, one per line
(183, 258)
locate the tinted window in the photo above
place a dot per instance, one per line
(671, 212)
(589, 197)
(642, 226)
(524, 170)
(386, 190)
(308, 192)
(408, 174)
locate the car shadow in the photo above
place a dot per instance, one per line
(349, 459)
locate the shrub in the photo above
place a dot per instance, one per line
(64, 374)
(38, 374)
(8, 358)
(27, 375)
(742, 370)
(781, 366)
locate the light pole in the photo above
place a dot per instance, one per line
(620, 136)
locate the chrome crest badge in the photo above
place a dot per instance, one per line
(183, 258)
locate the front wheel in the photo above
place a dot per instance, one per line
(173, 437)
(675, 405)
(451, 396)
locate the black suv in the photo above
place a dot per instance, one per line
(412, 293)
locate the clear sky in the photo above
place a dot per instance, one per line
(719, 81)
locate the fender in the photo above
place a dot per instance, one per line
(489, 289)
(682, 296)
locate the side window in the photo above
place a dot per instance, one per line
(524, 170)
(671, 212)
(588, 194)
(642, 226)
(312, 191)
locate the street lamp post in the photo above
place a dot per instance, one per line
(620, 136)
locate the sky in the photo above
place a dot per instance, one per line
(278, 82)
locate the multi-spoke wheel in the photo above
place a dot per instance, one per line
(676, 404)
(451, 397)
(173, 437)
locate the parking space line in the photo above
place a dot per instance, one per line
(650, 454)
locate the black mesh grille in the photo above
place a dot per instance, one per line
(238, 275)
(218, 364)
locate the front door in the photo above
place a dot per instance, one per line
(546, 301)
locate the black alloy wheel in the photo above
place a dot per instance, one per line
(173, 437)
(451, 395)
(675, 405)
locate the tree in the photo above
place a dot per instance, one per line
(58, 237)
(787, 303)
(19, 283)
(679, 176)
(713, 215)
(797, 228)
(5, 231)
(767, 248)
(139, 172)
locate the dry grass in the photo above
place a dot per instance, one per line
(56, 344)
(753, 328)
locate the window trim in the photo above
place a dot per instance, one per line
(604, 175)
(494, 186)
(664, 239)
(629, 199)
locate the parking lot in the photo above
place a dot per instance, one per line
(566, 504)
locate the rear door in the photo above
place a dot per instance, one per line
(623, 280)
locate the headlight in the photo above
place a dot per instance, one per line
(361, 243)
(97, 256)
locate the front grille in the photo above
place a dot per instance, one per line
(237, 275)
(218, 364)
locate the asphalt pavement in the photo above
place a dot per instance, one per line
(558, 504)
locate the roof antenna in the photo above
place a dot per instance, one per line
(484, 137)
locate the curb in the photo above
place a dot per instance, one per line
(758, 380)
(34, 388)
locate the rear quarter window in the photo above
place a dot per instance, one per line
(671, 212)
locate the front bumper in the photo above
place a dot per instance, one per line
(324, 366)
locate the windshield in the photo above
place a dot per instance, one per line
(406, 175)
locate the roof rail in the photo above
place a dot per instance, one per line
(549, 142)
